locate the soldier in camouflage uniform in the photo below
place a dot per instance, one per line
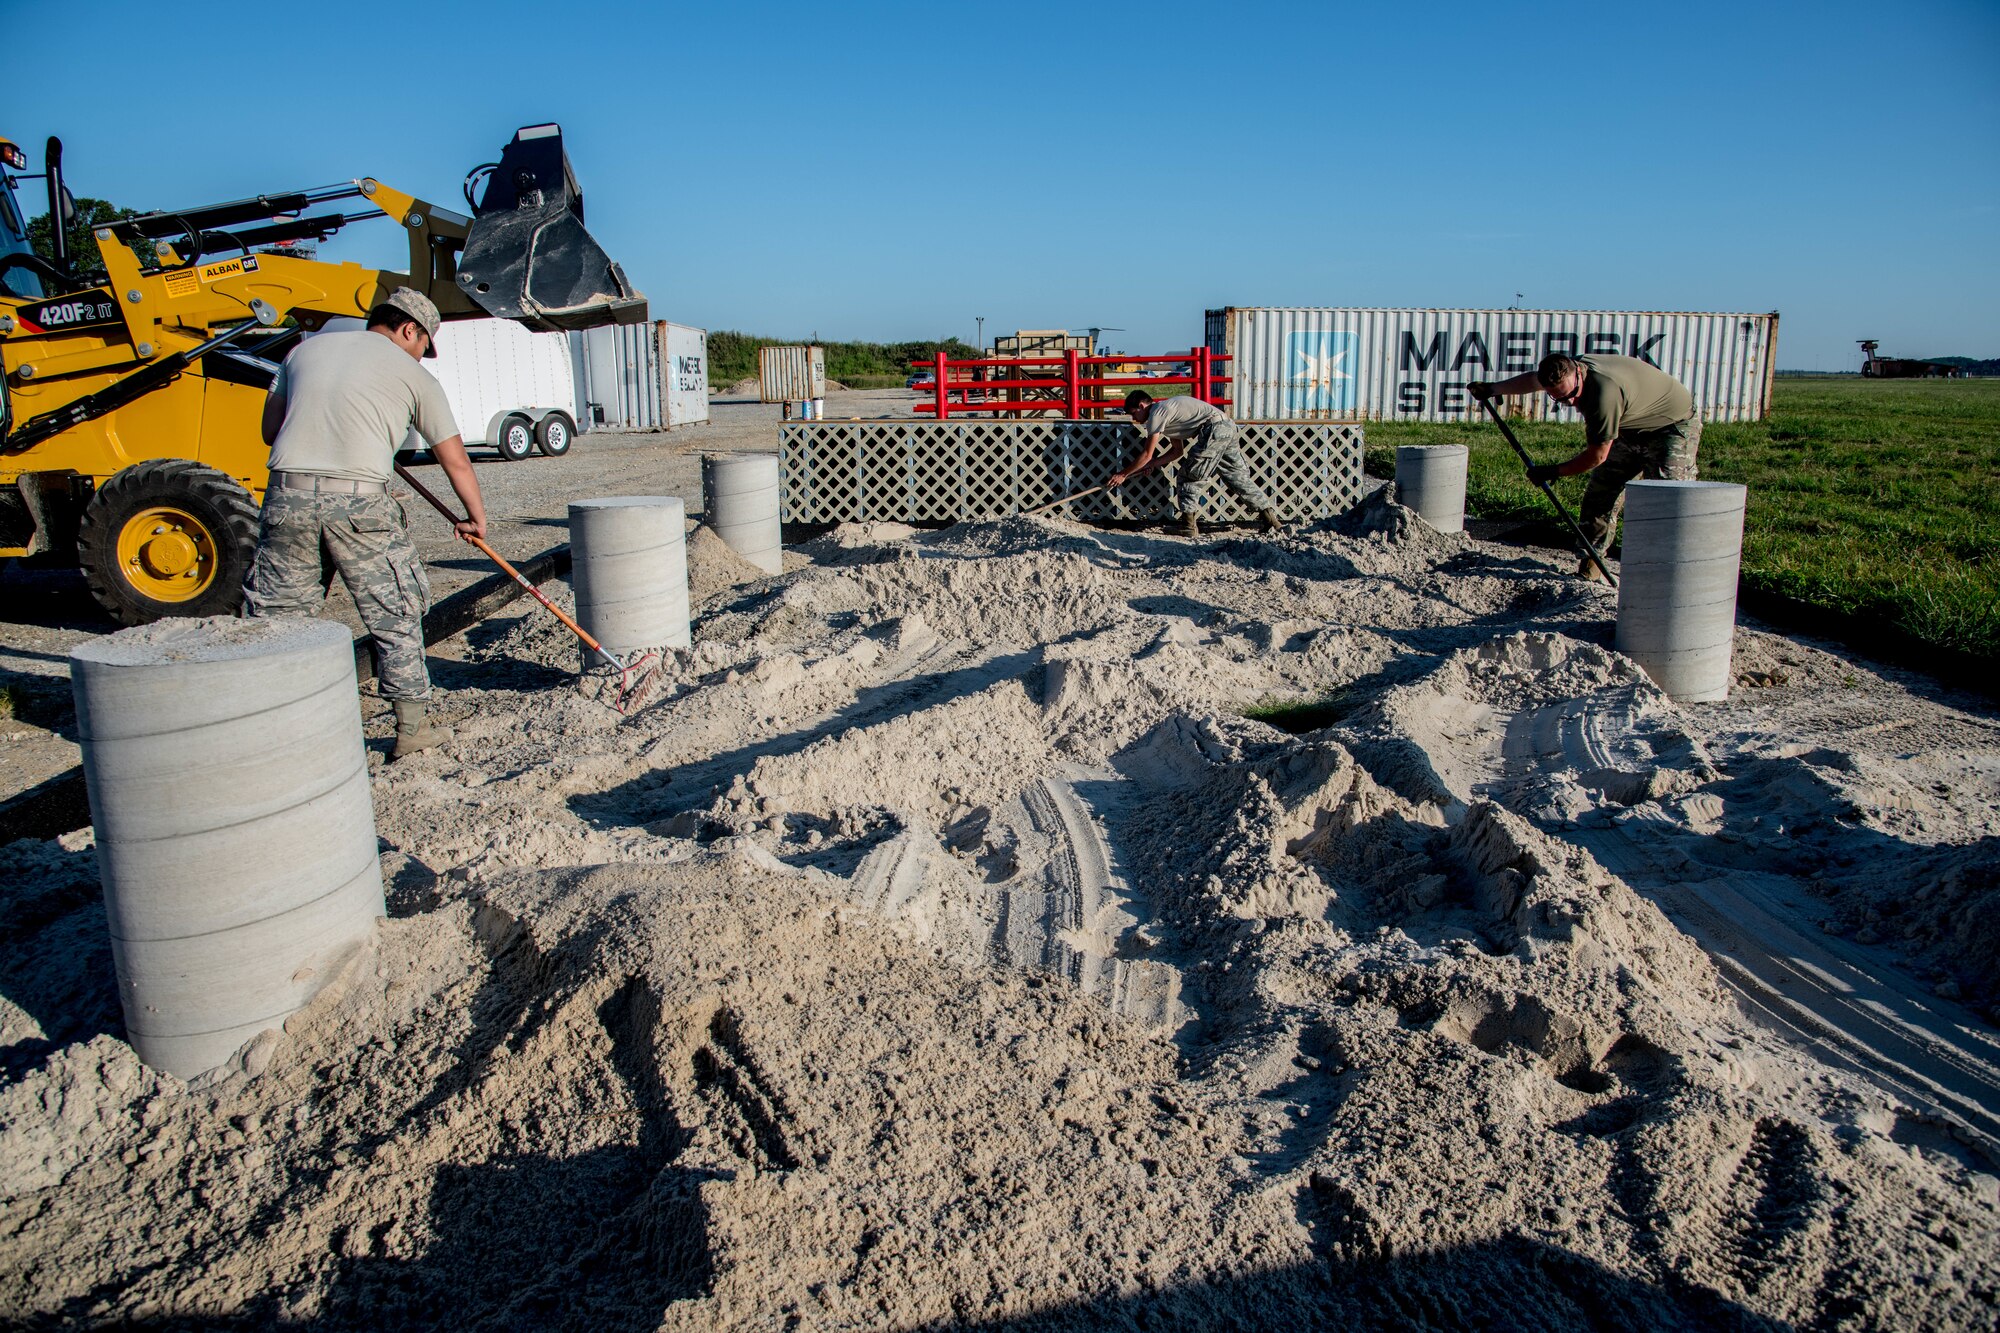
(1638, 421)
(1208, 438)
(341, 407)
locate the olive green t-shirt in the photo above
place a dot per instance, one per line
(1180, 417)
(350, 401)
(1623, 393)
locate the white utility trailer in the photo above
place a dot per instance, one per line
(509, 388)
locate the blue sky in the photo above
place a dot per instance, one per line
(894, 171)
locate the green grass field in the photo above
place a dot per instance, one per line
(1872, 498)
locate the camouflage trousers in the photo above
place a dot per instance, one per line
(1215, 453)
(307, 536)
(1665, 454)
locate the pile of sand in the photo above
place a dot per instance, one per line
(943, 946)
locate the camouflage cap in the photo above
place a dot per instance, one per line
(420, 308)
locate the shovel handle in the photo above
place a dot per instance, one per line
(1056, 504)
(1583, 542)
(1156, 463)
(511, 572)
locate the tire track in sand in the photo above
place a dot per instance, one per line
(1830, 997)
(1101, 936)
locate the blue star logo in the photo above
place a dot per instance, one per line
(1319, 372)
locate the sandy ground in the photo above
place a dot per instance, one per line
(938, 945)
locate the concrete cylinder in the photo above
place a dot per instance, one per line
(1677, 583)
(628, 564)
(235, 834)
(740, 497)
(1430, 478)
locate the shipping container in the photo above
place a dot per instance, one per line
(642, 376)
(791, 374)
(684, 359)
(618, 381)
(1293, 363)
(494, 370)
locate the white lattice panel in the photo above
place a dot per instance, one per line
(944, 471)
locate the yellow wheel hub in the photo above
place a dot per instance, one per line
(167, 554)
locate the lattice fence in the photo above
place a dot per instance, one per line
(944, 471)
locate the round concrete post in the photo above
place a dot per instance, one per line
(1430, 478)
(628, 564)
(740, 497)
(1677, 583)
(235, 834)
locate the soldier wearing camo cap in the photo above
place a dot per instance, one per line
(341, 407)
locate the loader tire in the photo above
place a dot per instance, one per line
(167, 537)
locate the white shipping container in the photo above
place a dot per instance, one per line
(1292, 363)
(650, 376)
(684, 362)
(791, 374)
(618, 377)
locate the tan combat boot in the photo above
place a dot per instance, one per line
(412, 732)
(1588, 571)
(1269, 518)
(1190, 525)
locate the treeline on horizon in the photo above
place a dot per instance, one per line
(732, 356)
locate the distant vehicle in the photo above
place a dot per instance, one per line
(1900, 368)
(923, 379)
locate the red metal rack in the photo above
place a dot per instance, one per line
(1065, 393)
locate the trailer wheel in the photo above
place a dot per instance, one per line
(168, 537)
(555, 434)
(516, 438)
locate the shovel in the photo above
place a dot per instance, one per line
(1166, 456)
(1057, 504)
(1583, 542)
(626, 687)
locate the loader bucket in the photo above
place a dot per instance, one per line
(527, 256)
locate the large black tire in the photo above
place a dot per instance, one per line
(516, 437)
(168, 537)
(554, 434)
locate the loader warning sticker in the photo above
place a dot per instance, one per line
(79, 310)
(182, 282)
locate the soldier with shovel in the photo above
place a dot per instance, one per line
(1637, 421)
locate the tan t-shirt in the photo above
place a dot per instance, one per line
(1623, 393)
(350, 401)
(1180, 417)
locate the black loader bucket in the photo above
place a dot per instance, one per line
(527, 257)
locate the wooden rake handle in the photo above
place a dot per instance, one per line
(1057, 504)
(1158, 462)
(512, 572)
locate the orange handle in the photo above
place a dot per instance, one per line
(512, 572)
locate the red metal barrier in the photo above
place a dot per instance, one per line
(973, 393)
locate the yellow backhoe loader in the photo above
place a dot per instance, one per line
(129, 408)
